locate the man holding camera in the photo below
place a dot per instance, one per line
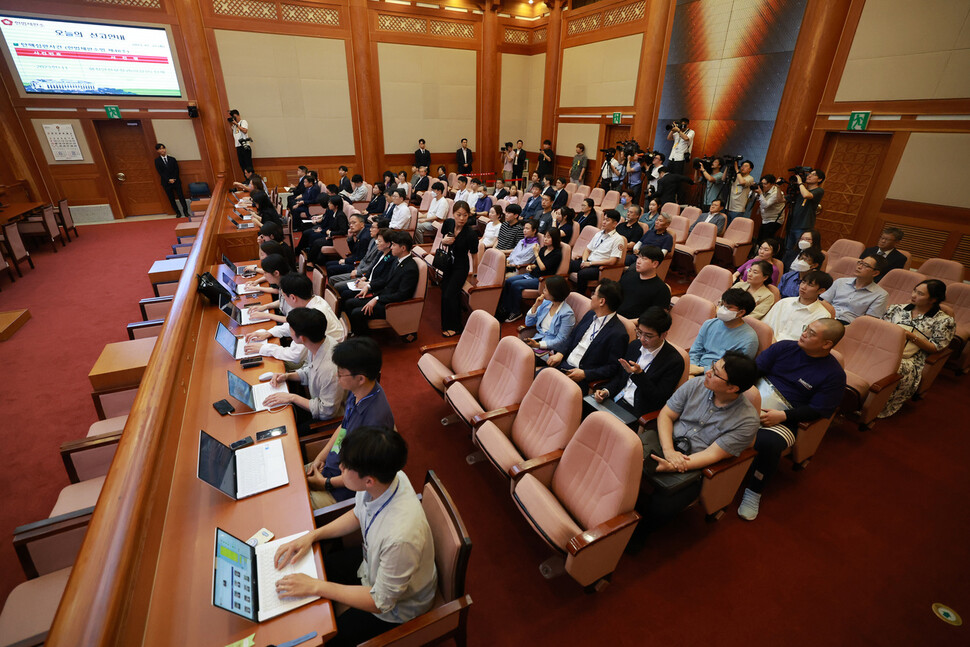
(634, 174)
(711, 169)
(683, 138)
(547, 159)
(617, 170)
(240, 135)
(809, 182)
(740, 189)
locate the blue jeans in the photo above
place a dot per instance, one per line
(512, 293)
(791, 241)
(731, 215)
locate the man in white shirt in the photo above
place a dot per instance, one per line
(462, 193)
(430, 222)
(789, 317)
(604, 250)
(240, 135)
(296, 290)
(359, 191)
(396, 580)
(683, 137)
(400, 213)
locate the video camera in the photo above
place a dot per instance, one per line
(706, 162)
(679, 124)
(800, 171)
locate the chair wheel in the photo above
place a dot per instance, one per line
(599, 584)
(553, 567)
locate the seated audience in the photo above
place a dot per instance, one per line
(510, 233)
(359, 192)
(767, 251)
(318, 227)
(301, 206)
(727, 331)
(401, 281)
(274, 267)
(375, 274)
(630, 228)
(859, 295)
(800, 382)
(495, 217)
(393, 580)
(587, 215)
(810, 238)
(513, 196)
(560, 198)
(928, 330)
(563, 220)
(296, 189)
(421, 185)
(546, 261)
(715, 216)
(377, 205)
(552, 317)
(649, 217)
(789, 317)
(544, 219)
(358, 240)
(369, 260)
(501, 193)
(642, 288)
(604, 250)
(400, 213)
(524, 252)
(308, 327)
(533, 206)
(343, 182)
(759, 278)
(658, 236)
(462, 193)
(429, 223)
(591, 351)
(808, 261)
(886, 248)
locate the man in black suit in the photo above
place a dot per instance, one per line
(168, 169)
(421, 186)
(518, 164)
(464, 158)
(500, 191)
(886, 248)
(651, 367)
(597, 342)
(343, 184)
(559, 196)
(668, 185)
(546, 160)
(422, 156)
(401, 281)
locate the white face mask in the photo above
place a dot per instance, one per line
(799, 265)
(804, 244)
(726, 315)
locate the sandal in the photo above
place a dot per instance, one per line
(448, 333)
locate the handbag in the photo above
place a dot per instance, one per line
(443, 259)
(212, 290)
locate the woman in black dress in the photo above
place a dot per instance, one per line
(461, 238)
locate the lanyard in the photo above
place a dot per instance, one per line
(379, 510)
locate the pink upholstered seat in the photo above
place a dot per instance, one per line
(610, 200)
(899, 284)
(688, 314)
(765, 334)
(585, 236)
(679, 227)
(943, 269)
(842, 267)
(503, 382)
(670, 208)
(597, 195)
(563, 269)
(736, 242)
(958, 297)
(872, 350)
(404, 317)
(30, 608)
(710, 283)
(470, 352)
(699, 248)
(842, 248)
(484, 293)
(692, 214)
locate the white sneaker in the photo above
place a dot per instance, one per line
(750, 503)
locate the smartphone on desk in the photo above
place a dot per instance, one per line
(270, 433)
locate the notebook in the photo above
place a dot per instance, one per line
(612, 407)
(252, 394)
(235, 269)
(242, 316)
(244, 578)
(244, 472)
(229, 282)
(771, 398)
(235, 346)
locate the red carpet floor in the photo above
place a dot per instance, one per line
(855, 549)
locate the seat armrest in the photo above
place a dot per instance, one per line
(609, 527)
(421, 624)
(472, 282)
(884, 383)
(463, 377)
(713, 470)
(323, 516)
(495, 414)
(483, 288)
(430, 348)
(649, 417)
(320, 433)
(75, 447)
(939, 356)
(49, 531)
(533, 465)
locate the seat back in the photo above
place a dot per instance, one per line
(872, 348)
(199, 190)
(65, 210)
(576, 202)
(688, 314)
(477, 342)
(899, 284)
(841, 267)
(453, 180)
(684, 356)
(491, 271)
(670, 208)
(502, 203)
(585, 236)
(548, 416)
(693, 213)
(566, 250)
(422, 287)
(583, 190)
(679, 227)
(452, 545)
(711, 282)
(909, 258)
(630, 325)
(11, 236)
(319, 280)
(703, 237)
(763, 330)
(958, 298)
(508, 374)
(740, 231)
(610, 200)
(579, 303)
(597, 195)
(934, 268)
(426, 201)
(843, 247)
(598, 476)
(571, 188)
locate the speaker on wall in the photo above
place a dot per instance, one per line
(193, 111)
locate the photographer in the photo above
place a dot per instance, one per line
(546, 160)
(617, 170)
(772, 202)
(740, 189)
(634, 175)
(683, 138)
(507, 156)
(711, 169)
(656, 161)
(806, 203)
(240, 135)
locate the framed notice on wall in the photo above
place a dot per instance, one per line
(63, 143)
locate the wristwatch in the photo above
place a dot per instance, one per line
(327, 485)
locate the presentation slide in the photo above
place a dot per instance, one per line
(59, 57)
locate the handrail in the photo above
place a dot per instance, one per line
(103, 597)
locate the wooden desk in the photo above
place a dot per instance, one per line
(166, 270)
(237, 244)
(185, 229)
(15, 210)
(121, 364)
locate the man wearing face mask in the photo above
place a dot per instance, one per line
(727, 331)
(809, 259)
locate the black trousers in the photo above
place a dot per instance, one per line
(769, 446)
(245, 156)
(353, 625)
(358, 320)
(451, 284)
(175, 196)
(583, 275)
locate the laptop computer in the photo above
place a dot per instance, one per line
(235, 346)
(244, 578)
(251, 395)
(244, 472)
(241, 316)
(229, 282)
(236, 269)
(610, 406)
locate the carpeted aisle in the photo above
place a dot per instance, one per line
(855, 549)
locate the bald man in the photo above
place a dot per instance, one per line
(800, 382)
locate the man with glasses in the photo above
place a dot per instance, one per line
(860, 295)
(705, 421)
(651, 367)
(886, 247)
(358, 362)
(726, 331)
(800, 382)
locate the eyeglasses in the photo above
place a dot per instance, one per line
(646, 335)
(713, 372)
(861, 263)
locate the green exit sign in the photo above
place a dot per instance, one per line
(113, 112)
(859, 120)
(617, 117)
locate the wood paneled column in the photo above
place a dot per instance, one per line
(653, 65)
(489, 74)
(550, 94)
(365, 83)
(204, 78)
(818, 41)
(16, 152)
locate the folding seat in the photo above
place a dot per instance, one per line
(679, 228)
(502, 383)
(610, 200)
(688, 314)
(583, 190)
(872, 349)
(710, 283)
(693, 213)
(900, 284)
(65, 220)
(842, 267)
(958, 299)
(531, 295)
(482, 291)
(597, 195)
(582, 242)
(735, 245)
(842, 248)
(670, 208)
(469, 352)
(699, 248)
(764, 332)
(404, 317)
(571, 188)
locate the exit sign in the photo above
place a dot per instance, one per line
(859, 120)
(617, 117)
(113, 112)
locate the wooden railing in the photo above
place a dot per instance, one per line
(108, 595)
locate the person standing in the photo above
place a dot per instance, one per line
(422, 156)
(805, 206)
(683, 137)
(546, 161)
(518, 164)
(460, 239)
(240, 136)
(577, 172)
(168, 170)
(464, 158)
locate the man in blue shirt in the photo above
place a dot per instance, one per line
(800, 382)
(727, 331)
(358, 363)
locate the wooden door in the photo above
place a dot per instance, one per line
(131, 162)
(851, 162)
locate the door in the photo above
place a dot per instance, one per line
(131, 162)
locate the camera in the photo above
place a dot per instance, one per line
(230, 120)
(630, 147)
(705, 162)
(800, 170)
(679, 124)
(245, 141)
